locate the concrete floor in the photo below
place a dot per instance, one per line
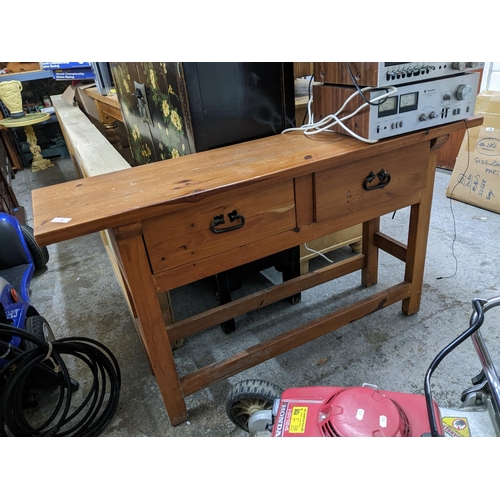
(79, 295)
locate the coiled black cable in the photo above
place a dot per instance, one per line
(89, 418)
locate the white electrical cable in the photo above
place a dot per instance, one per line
(318, 253)
(325, 124)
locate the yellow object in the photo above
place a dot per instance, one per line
(456, 426)
(29, 119)
(10, 94)
(38, 162)
(298, 420)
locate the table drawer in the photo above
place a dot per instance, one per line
(339, 191)
(187, 235)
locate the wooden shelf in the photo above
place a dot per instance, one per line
(26, 76)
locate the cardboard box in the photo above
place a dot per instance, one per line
(69, 95)
(20, 67)
(77, 93)
(476, 177)
(86, 103)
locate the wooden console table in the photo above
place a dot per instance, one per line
(283, 191)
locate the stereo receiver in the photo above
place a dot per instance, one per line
(377, 74)
(407, 107)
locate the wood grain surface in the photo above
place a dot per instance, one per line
(134, 194)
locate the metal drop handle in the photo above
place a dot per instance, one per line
(383, 177)
(219, 220)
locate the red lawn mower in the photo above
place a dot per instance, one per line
(263, 409)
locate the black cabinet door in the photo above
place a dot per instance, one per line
(165, 131)
(199, 106)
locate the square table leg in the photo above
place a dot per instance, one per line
(418, 230)
(369, 273)
(153, 333)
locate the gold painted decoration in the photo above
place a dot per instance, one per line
(10, 94)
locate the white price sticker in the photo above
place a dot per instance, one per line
(62, 220)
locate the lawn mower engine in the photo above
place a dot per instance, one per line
(349, 412)
(261, 408)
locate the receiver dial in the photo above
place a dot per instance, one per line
(462, 92)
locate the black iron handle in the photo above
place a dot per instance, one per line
(383, 177)
(141, 102)
(233, 217)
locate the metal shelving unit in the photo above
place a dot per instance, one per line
(26, 76)
(24, 154)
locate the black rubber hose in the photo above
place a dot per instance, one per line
(98, 405)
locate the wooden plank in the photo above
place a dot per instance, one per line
(369, 275)
(263, 298)
(289, 340)
(92, 152)
(129, 195)
(390, 245)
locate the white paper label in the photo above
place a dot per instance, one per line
(360, 414)
(60, 219)
(383, 421)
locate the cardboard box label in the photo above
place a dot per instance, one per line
(476, 176)
(488, 146)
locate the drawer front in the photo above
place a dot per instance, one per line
(186, 235)
(339, 191)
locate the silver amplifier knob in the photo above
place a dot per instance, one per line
(458, 65)
(462, 92)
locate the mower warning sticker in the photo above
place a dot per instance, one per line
(298, 420)
(290, 420)
(456, 427)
